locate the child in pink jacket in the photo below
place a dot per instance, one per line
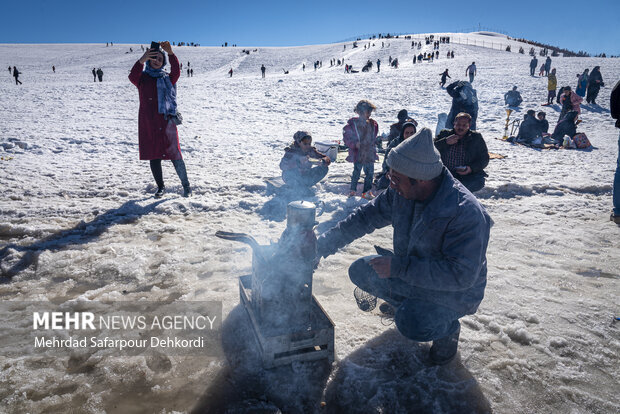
(360, 135)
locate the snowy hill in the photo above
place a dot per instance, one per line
(78, 221)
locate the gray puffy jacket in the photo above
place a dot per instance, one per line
(443, 257)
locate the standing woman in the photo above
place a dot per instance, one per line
(157, 131)
(582, 83)
(595, 81)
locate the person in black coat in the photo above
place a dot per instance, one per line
(566, 126)
(544, 124)
(533, 65)
(16, 76)
(464, 152)
(614, 108)
(530, 128)
(595, 81)
(444, 75)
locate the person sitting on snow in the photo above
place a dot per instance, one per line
(396, 128)
(437, 271)
(297, 168)
(544, 124)
(530, 128)
(464, 152)
(408, 130)
(570, 101)
(513, 97)
(566, 126)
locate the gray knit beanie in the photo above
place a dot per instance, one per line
(416, 157)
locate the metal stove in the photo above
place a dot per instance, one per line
(288, 322)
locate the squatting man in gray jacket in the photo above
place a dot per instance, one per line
(437, 272)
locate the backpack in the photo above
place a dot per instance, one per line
(581, 141)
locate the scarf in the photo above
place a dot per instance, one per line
(166, 91)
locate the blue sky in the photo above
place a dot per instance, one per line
(590, 25)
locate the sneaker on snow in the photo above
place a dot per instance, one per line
(352, 193)
(387, 313)
(160, 192)
(368, 195)
(387, 310)
(187, 192)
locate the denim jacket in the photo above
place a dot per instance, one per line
(442, 256)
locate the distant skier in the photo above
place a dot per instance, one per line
(471, 70)
(533, 65)
(444, 75)
(378, 65)
(16, 76)
(100, 75)
(94, 75)
(53, 68)
(230, 72)
(262, 70)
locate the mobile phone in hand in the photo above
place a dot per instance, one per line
(155, 45)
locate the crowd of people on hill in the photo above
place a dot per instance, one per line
(534, 129)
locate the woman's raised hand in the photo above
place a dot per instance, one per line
(167, 48)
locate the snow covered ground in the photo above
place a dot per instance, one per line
(77, 220)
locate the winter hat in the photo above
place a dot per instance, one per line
(402, 115)
(416, 157)
(409, 123)
(299, 135)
